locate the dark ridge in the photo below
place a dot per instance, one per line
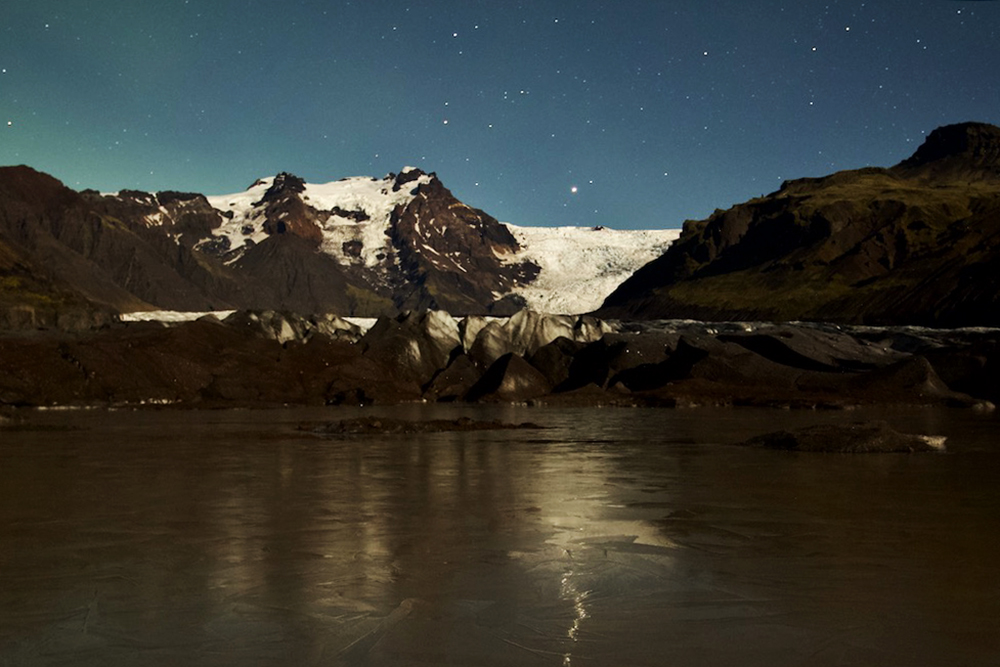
(170, 196)
(966, 151)
(284, 183)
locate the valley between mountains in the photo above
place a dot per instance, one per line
(871, 286)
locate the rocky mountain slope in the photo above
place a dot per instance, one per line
(358, 246)
(917, 243)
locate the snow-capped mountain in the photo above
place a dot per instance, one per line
(353, 215)
(577, 267)
(354, 247)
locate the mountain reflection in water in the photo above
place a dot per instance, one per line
(613, 537)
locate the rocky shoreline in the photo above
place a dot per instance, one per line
(267, 359)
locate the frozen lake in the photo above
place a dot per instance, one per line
(614, 537)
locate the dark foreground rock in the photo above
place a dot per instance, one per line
(262, 359)
(383, 425)
(857, 438)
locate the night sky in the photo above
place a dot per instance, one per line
(634, 114)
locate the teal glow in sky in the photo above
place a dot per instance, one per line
(628, 114)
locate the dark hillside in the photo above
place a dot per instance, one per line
(918, 243)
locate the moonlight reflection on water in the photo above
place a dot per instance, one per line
(611, 537)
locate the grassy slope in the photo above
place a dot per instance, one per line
(885, 239)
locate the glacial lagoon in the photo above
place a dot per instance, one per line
(611, 537)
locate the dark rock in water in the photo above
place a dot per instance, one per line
(265, 358)
(856, 438)
(510, 379)
(385, 425)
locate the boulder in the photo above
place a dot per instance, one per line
(526, 331)
(416, 345)
(510, 379)
(469, 328)
(555, 359)
(272, 325)
(366, 381)
(337, 328)
(813, 349)
(912, 380)
(454, 382)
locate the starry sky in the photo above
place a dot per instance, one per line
(635, 114)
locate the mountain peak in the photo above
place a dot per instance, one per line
(969, 151)
(408, 175)
(284, 183)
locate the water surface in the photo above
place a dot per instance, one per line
(613, 537)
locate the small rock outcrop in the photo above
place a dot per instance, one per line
(856, 438)
(417, 345)
(389, 426)
(526, 331)
(286, 327)
(510, 379)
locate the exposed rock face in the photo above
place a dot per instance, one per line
(417, 345)
(285, 212)
(511, 379)
(287, 327)
(449, 253)
(66, 250)
(915, 244)
(527, 331)
(454, 382)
